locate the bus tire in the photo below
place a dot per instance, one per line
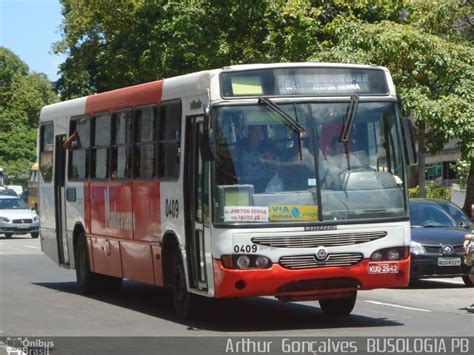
(339, 307)
(87, 281)
(8, 235)
(35, 235)
(182, 299)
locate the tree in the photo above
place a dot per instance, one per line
(21, 97)
(432, 73)
(426, 45)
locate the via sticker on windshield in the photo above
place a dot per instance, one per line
(279, 213)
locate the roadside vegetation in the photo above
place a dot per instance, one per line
(426, 45)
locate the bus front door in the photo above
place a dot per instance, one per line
(197, 203)
(59, 199)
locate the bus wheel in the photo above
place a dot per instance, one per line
(182, 299)
(87, 281)
(8, 235)
(340, 306)
(35, 235)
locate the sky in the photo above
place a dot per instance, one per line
(29, 28)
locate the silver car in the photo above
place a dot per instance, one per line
(17, 218)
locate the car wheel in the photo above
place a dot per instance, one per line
(8, 235)
(87, 281)
(35, 235)
(339, 307)
(183, 300)
(468, 280)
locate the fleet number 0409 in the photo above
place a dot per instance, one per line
(245, 249)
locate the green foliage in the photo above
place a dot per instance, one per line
(462, 168)
(427, 45)
(434, 76)
(432, 192)
(22, 96)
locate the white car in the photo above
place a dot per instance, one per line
(17, 218)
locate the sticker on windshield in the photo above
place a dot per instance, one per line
(279, 213)
(245, 214)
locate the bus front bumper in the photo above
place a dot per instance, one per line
(314, 283)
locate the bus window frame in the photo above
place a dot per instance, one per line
(41, 151)
(155, 142)
(113, 144)
(88, 149)
(94, 147)
(181, 119)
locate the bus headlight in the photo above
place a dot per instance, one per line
(416, 248)
(243, 262)
(393, 254)
(390, 254)
(4, 219)
(376, 255)
(239, 261)
(262, 262)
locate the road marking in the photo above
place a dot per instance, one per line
(398, 306)
(32, 247)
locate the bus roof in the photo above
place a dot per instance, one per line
(170, 88)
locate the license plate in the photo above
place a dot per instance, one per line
(449, 261)
(383, 268)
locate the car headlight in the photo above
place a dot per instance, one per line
(416, 248)
(35, 219)
(4, 219)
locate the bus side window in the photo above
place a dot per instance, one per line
(146, 142)
(170, 136)
(101, 144)
(79, 156)
(121, 156)
(46, 151)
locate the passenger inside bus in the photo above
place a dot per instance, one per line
(256, 163)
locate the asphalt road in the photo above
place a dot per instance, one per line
(38, 298)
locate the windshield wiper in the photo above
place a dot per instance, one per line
(351, 112)
(294, 125)
(346, 129)
(290, 121)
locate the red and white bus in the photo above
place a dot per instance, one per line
(286, 180)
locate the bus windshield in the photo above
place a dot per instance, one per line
(265, 171)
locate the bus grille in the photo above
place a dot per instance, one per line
(313, 241)
(309, 261)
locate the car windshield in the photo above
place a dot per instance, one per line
(8, 192)
(266, 171)
(12, 203)
(429, 215)
(456, 213)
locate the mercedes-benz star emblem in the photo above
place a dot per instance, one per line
(321, 253)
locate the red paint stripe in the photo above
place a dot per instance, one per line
(121, 98)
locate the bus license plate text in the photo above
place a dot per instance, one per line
(383, 268)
